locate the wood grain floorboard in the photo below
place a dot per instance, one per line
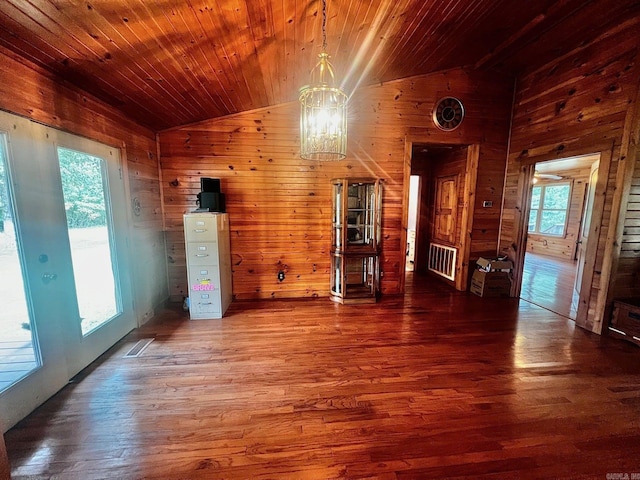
(433, 384)
(549, 283)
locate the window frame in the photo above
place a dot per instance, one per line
(543, 186)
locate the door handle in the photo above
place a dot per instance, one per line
(47, 277)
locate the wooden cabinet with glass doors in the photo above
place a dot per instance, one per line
(355, 251)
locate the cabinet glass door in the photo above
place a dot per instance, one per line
(336, 276)
(356, 240)
(360, 213)
(361, 275)
(337, 216)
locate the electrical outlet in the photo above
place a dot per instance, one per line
(280, 276)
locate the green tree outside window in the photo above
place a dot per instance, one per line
(549, 209)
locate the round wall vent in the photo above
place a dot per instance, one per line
(448, 113)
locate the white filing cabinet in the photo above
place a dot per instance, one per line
(208, 264)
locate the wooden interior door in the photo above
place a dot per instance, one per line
(446, 200)
(584, 230)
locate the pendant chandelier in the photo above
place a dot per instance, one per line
(323, 110)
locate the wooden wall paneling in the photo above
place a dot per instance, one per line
(34, 93)
(489, 187)
(425, 224)
(279, 205)
(406, 179)
(464, 265)
(620, 205)
(628, 274)
(273, 190)
(572, 106)
(420, 166)
(535, 42)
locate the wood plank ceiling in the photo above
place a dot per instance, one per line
(173, 62)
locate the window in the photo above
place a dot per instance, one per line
(550, 209)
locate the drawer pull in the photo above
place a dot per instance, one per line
(617, 331)
(634, 315)
(200, 230)
(202, 254)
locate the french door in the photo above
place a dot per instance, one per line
(64, 284)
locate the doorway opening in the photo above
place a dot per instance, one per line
(412, 222)
(440, 181)
(561, 199)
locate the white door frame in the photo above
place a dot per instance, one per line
(41, 227)
(31, 222)
(95, 343)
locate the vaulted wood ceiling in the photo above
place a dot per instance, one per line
(173, 62)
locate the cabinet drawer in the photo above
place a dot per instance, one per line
(204, 289)
(204, 278)
(626, 317)
(204, 305)
(203, 253)
(201, 229)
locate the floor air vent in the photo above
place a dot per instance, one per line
(138, 348)
(442, 260)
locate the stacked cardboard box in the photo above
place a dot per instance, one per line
(492, 277)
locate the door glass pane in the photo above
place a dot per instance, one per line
(337, 215)
(85, 189)
(360, 213)
(18, 346)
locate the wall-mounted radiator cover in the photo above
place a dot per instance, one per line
(442, 260)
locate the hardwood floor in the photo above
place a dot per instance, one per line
(436, 384)
(548, 282)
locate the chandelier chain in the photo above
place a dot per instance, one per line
(324, 25)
